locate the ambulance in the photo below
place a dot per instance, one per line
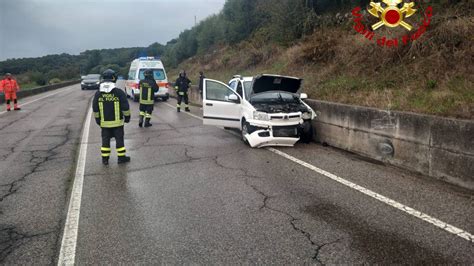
(136, 73)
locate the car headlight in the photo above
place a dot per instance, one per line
(82, 83)
(307, 116)
(260, 116)
(98, 82)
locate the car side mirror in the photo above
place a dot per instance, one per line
(234, 98)
(303, 96)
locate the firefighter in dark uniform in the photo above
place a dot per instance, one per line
(148, 88)
(182, 86)
(201, 82)
(111, 111)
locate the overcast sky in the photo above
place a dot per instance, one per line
(31, 28)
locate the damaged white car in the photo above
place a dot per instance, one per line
(267, 109)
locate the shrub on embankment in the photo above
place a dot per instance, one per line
(432, 75)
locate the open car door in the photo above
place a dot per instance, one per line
(221, 105)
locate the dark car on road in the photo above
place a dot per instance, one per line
(91, 81)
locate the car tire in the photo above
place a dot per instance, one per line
(307, 132)
(246, 129)
(165, 99)
(135, 98)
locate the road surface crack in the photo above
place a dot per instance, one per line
(37, 161)
(293, 221)
(11, 239)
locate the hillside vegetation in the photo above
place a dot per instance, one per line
(53, 68)
(432, 75)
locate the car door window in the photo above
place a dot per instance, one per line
(217, 91)
(131, 75)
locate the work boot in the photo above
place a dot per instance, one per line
(17, 109)
(140, 123)
(123, 159)
(179, 110)
(105, 160)
(8, 110)
(147, 123)
(187, 109)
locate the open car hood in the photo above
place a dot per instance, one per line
(265, 82)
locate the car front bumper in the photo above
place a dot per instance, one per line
(281, 134)
(257, 141)
(90, 86)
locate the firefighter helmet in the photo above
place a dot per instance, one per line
(109, 75)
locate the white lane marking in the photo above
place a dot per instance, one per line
(420, 215)
(425, 217)
(190, 114)
(46, 96)
(69, 241)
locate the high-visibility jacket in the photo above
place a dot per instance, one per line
(9, 86)
(148, 88)
(111, 109)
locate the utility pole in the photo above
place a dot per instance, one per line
(195, 20)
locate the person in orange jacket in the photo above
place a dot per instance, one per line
(9, 86)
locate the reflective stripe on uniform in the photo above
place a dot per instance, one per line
(127, 113)
(111, 124)
(101, 110)
(121, 152)
(147, 115)
(106, 151)
(96, 115)
(117, 110)
(181, 93)
(142, 113)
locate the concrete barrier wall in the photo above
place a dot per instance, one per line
(437, 147)
(434, 146)
(25, 93)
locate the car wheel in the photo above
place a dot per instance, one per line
(135, 98)
(165, 99)
(246, 129)
(307, 132)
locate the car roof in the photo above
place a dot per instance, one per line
(243, 78)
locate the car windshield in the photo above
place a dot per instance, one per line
(275, 97)
(92, 77)
(247, 88)
(159, 74)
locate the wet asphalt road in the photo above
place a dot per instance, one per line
(196, 194)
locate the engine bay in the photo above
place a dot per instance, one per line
(273, 108)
